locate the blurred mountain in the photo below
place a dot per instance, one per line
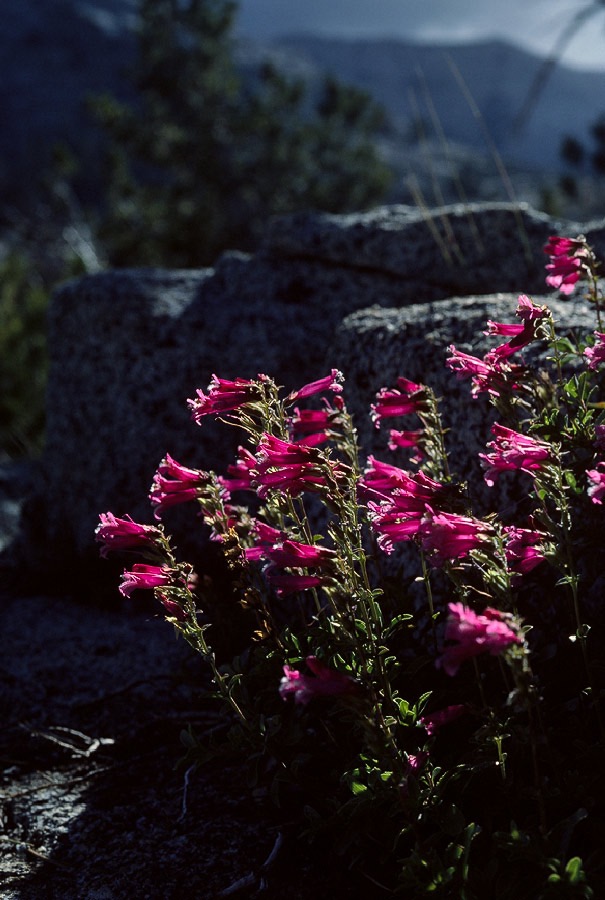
(54, 54)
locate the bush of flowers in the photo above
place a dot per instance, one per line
(449, 745)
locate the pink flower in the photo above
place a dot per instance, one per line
(124, 534)
(293, 554)
(146, 577)
(289, 468)
(405, 439)
(596, 488)
(174, 609)
(569, 262)
(596, 355)
(331, 382)
(312, 426)
(521, 335)
(265, 537)
(404, 500)
(408, 397)
(327, 683)
(436, 720)
(240, 472)
(290, 583)
(446, 536)
(474, 634)
(223, 396)
(491, 374)
(524, 548)
(513, 451)
(174, 483)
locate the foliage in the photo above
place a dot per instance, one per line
(204, 158)
(448, 744)
(23, 300)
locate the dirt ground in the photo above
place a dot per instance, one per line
(93, 803)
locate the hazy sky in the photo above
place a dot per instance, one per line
(534, 24)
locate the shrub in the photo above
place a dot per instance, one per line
(450, 746)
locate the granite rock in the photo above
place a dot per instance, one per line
(129, 347)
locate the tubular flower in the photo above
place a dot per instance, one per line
(146, 577)
(223, 396)
(491, 374)
(174, 484)
(436, 720)
(287, 467)
(407, 397)
(570, 260)
(596, 488)
(474, 634)
(405, 439)
(332, 382)
(596, 355)
(311, 427)
(513, 451)
(380, 480)
(124, 534)
(326, 683)
(520, 334)
(524, 549)
(447, 536)
(240, 472)
(290, 583)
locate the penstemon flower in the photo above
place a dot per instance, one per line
(492, 374)
(224, 396)
(289, 468)
(596, 487)
(326, 683)
(596, 355)
(448, 536)
(524, 548)
(145, 577)
(174, 484)
(240, 472)
(569, 262)
(433, 722)
(521, 335)
(124, 534)
(408, 397)
(332, 382)
(313, 427)
(513, 451)
(475, 634)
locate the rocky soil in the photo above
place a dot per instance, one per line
(94, 805)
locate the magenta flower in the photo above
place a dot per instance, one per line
(568, 262)
(447, 536)
(312, 426)
(404, 500)
(596, 488)
(521, 334)
(240, 472)
(174, 484)
(327, 683)
(124, 534)
(432, 722)
(513, 451)
(287, 467)
(406, 439)
(290, 583)
(474, 634)
(223, 396)
(145, 577)
(332, 382)
(265, 537)
(491, 374)
(407, 397)
(596, 355)
(174, 609)
(524, 548)
(294, 554)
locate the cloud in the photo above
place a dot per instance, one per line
(534, 25)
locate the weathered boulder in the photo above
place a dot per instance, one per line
(129, 347)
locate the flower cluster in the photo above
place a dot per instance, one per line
(365, 645)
